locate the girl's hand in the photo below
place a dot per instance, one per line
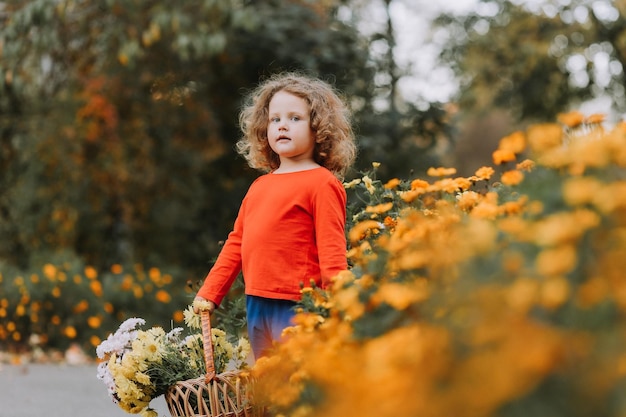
(202, 300)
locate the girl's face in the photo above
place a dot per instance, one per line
(289, 128)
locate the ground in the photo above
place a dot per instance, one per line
(58, 389)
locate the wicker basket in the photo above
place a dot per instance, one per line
(211, 395)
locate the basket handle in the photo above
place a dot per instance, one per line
(209, 361)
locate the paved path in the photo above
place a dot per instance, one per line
(35, 390)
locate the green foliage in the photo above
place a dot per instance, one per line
(536, 60)
(117, 120)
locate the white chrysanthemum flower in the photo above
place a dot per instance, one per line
(131, 324)
(105, 376)
(174, 334)
(117, 342)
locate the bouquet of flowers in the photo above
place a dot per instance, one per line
(140, 365)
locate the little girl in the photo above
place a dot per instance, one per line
(290, 226)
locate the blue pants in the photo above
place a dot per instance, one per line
(267, 318)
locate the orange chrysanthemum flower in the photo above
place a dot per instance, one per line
(392, 183)
(468, 200)
(515, 142)
(571, 119)
(440, 172)
(70, 332)
(82, 306)
(417, 184)
(409, 196)
(543, 137)
(379, 209)
(484, 173)
(90, 272)
(163, 296)
(94, 322)
(526, 165)
(95, 340)
(595, 118)
(512, 177)
(96, 288)
(154, 274)
(390, 222)
(49, 271)
(555, 292)
(581, 190)
(501, 156)
(362, 229)
(462, 183)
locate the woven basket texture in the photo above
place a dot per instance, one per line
(212, 395)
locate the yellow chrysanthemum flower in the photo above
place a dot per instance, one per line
(351, 184)
(369, 184)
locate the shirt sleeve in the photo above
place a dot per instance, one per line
(330, 222)
(228, 265)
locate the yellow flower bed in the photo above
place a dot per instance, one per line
(67, 303)
(501, 294)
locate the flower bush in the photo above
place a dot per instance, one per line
(499, 294)
(64, 302)
(140, 365)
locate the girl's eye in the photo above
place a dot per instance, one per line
(274, 120)
(295, 118)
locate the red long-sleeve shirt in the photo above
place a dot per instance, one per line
(290, 230)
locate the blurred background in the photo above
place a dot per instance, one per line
(118, 119)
